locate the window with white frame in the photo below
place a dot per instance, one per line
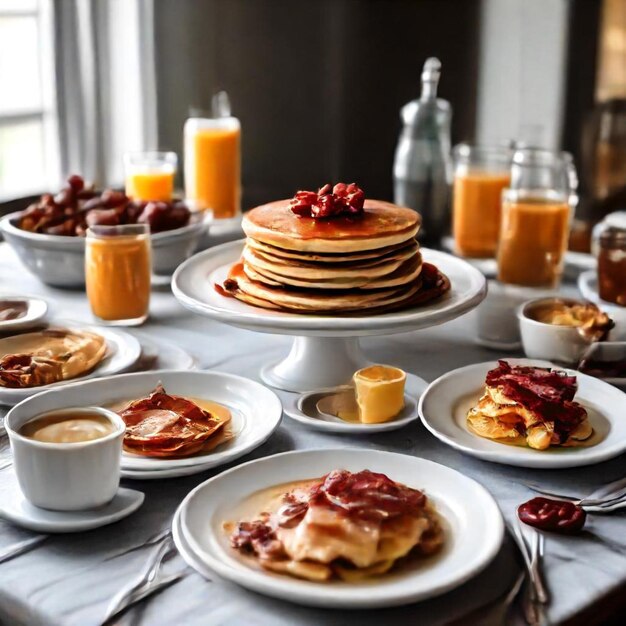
(28, 136)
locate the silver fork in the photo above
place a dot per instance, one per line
(537, 596)
(608, 497)
(147, 584)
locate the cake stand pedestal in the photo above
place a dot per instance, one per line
(325, 351)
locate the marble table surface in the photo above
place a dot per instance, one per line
(70, 579)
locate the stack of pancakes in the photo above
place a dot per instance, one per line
(345, 263)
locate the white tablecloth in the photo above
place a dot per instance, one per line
(70, 579)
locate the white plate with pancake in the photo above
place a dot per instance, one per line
(194, 282)
(311, 417)
(472, 522)
(123, 351)
(443, 408)
(256, 413)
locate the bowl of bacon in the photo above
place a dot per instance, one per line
(48, 236)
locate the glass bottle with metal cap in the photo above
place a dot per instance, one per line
(422, 169)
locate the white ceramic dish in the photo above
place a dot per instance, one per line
(550, 342)
(161, 355)
(310, 417)
(474, 527)
(256, 413)
(123, 352)
(444, 405)
(67, 476)
(325, 352)
(16, 509)
(193, 282)
(59, 261)
(35, 314)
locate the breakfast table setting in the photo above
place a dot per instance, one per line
(74, 578)
(320, 410)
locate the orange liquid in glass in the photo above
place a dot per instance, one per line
(533, 241)
(215, 177)
(477, 203)
(156, 186)
(117, 272)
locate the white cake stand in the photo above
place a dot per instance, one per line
(326, 350)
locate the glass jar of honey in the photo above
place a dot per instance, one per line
(609, 245)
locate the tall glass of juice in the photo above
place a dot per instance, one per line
(213, 165)
(117, 273)
(480, 175)
(536, 218)
(150, 175)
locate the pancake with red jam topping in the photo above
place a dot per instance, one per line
(332, 251)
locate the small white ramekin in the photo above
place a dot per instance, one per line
(66, 476)
(550, 342)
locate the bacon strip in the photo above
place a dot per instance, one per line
(163, 425)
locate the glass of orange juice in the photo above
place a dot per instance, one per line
(150, 175)
(117, 273)
(480, 175)
(537, 211)
(213, 164)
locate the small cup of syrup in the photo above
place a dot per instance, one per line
(67, 459)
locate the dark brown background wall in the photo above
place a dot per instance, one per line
(317, 84)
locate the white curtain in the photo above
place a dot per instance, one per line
(105, 76)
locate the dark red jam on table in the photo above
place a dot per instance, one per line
(339, 201)
(558, 516)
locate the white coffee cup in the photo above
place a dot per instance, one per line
(67, 476)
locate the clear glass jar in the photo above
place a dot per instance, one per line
(609, 246)
(118, 272)
(537, 211)
(213, 165)
(480, 175)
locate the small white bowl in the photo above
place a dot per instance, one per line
(551, 342)
(60, 261)
(36, 310)
(66, 476)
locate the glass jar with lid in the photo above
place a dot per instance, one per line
(609, 246)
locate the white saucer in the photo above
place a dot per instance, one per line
(414, 388)
(455, 392)
(474, 528)
(16, 509)
(35, 314)
(123, 352)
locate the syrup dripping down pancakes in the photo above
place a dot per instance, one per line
(343, 255)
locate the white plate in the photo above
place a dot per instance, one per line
(414, 388)
(474, 527)
(16, 509)
(161, 355)
(605, 404)
(256, 413)
(123, 351)
(588, 287)
(193, 284)
(35, 314)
